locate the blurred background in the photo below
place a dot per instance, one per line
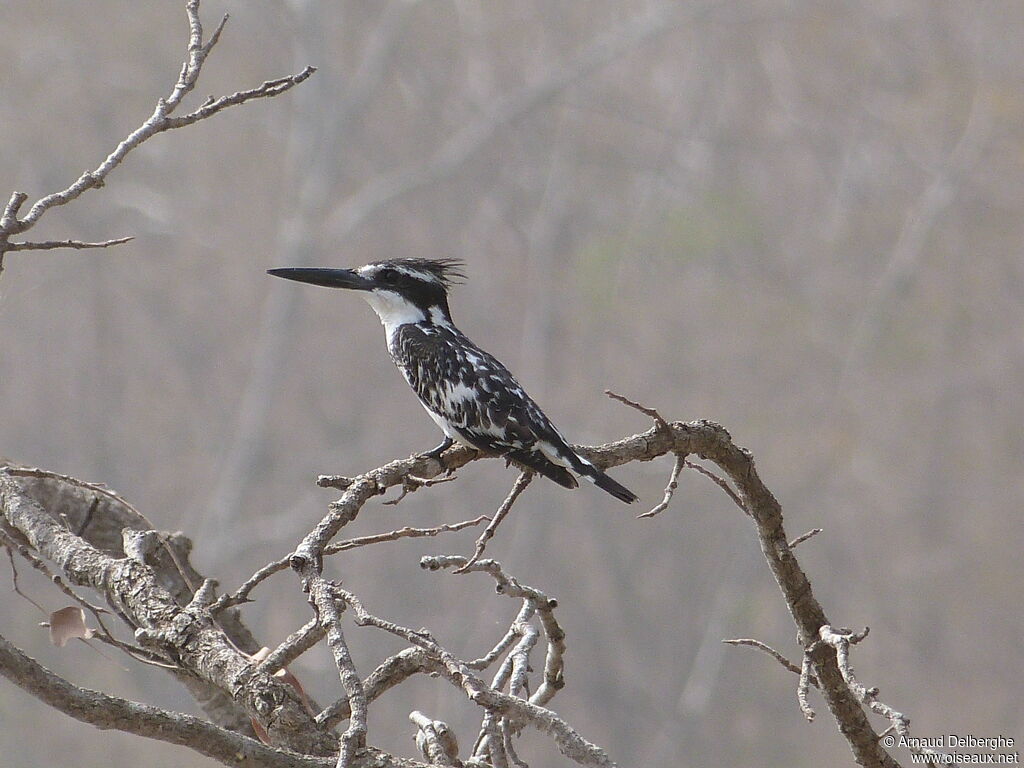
(802, 220)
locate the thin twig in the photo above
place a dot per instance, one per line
(481, 543)
(767, 649)
(14, 575)
(49, 245)
(241, 595)
(802, 687)
(413, 483)
(721, 483)
(402, 533)
(804, 537)
(652, 412)
(267, 89)
(673, 483)
(296, 644)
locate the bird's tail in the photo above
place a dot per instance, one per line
(535, 461)
(616, 489)
(552, 460)
(598, 477)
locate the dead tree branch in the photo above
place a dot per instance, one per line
(711, 442)
(160, 120)
(111, 712)
(182, 636)
(825, 665)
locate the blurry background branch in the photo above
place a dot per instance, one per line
(161, 120)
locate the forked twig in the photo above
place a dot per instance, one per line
(159, 121)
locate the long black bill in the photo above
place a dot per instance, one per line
(330, 278)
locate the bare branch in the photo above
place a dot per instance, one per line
(296, 644)
(160, 120)
(403, 533)
(570, 743)
(110, 712)
(767, 649)
(268, 89)
(653, 413)
(802, 688)
(49, 245)
(481, 543)
(133, 589)
(673, 483)
(720, 483)
(804, 537)
(323, 599)
(435, 740)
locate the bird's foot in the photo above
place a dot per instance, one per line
(435, 453)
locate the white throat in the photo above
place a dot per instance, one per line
(393, 310)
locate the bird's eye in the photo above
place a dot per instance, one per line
(387, 275)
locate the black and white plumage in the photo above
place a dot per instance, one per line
(468, 393)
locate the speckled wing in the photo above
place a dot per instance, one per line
(475, 399)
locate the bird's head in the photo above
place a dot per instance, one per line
(399, 290)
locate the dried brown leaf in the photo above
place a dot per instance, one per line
(261, 732)
(68, 624)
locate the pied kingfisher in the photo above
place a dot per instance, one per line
(469, 394)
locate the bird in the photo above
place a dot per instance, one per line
(468, 392)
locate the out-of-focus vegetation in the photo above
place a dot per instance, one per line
(803, 220)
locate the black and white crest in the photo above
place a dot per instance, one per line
(445, 272)
(399, 287)
(468, 393)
